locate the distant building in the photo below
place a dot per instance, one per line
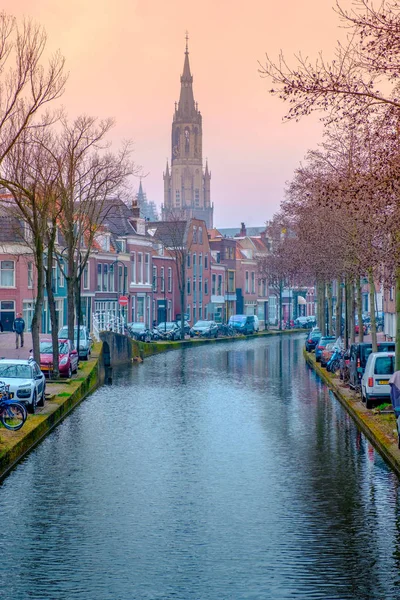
(186, 185)
(148, 209)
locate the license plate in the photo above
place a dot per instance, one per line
(383, 381)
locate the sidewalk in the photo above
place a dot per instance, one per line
(7, 346)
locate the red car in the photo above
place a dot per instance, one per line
(68, 357)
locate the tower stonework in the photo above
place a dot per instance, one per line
(186, 184)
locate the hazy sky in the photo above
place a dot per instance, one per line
(125, 58)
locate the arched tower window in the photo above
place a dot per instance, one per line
(187, 140)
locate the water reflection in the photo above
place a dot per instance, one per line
(228, 471)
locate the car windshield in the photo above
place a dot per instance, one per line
(168, 325)
(202, 324)
(15, 371)
(47, 348)
(63, 333)
(138, 326)
(237, 319)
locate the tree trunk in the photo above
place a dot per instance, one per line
(374, 338)
(352, 307)
(346, 313)
(53, 313)
(330, 307)
(70, 307)
(37, 314)
(338, 311)
(359, 311)
(280, 304)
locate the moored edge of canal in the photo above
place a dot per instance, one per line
(379, 428)
(66, 395)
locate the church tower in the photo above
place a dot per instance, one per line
(186, 185)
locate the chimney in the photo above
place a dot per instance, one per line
(135, 209)
(243, 230)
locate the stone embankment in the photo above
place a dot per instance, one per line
(379, 427)
(63, 395)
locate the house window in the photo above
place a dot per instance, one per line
(147, 268)
(30, 275)
(200, 285)
(105, 278)
(188, 286)
(218, 257)
(133, 263)
(391, 293)
(206, 261)
(213, 283)
(200, 235)
(253, 283)
(200, 261)
(231, 282)
(121, 245)
(169, 279)
(99, 277)
(194, 235)
(247, 282)
(140, 267)
(85, 277)
(188, 260)
(111, 278)
(154, 278)
(7, 275)
(162, 279)
(219, 289)
(61, 278)
(206, 286)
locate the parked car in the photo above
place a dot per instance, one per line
(312, 339)
(169, 330)
(186, 326)
(67, 361)
(359, 353)
(375, 380)
(242, 323)
(85, 340)
(139, 331)
(204, 329)
(322, 342)
(327, 353)
(26, 380)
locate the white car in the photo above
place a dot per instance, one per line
(26, 380)
(375, 386)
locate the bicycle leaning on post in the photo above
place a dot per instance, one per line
(13, 414)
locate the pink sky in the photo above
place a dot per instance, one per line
(125, 58)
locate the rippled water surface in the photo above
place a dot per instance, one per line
(221, 472)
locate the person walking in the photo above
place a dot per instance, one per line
(19, 328)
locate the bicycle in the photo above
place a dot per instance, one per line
(12, 414)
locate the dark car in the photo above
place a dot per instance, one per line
(312, 339)
(169, 330)
(204, 329)
(186, 326)
(139, 331)
(358, 359)
(323, 341)
(242, 323)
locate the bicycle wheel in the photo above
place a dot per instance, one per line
(13, 416)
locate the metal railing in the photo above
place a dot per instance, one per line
(107, 321)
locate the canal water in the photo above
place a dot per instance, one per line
(222, 472)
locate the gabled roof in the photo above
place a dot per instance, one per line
(172, 234)
(116, 217)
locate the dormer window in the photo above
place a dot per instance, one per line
(121, 245)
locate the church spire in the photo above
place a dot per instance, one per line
(186, 105)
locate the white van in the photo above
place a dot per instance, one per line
(375, 386)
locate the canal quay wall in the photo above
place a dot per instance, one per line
(379, 427)
(62, 396)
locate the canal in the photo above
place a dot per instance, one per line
(222, 472)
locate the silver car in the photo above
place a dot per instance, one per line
(375, 386)
(85, 340)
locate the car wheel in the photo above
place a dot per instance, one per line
(216, 334)
(69, 374)
(32, 406)
(368, 402)
(42, 396)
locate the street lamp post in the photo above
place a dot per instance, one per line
(165, 297)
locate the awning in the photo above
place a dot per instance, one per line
(301, 300)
